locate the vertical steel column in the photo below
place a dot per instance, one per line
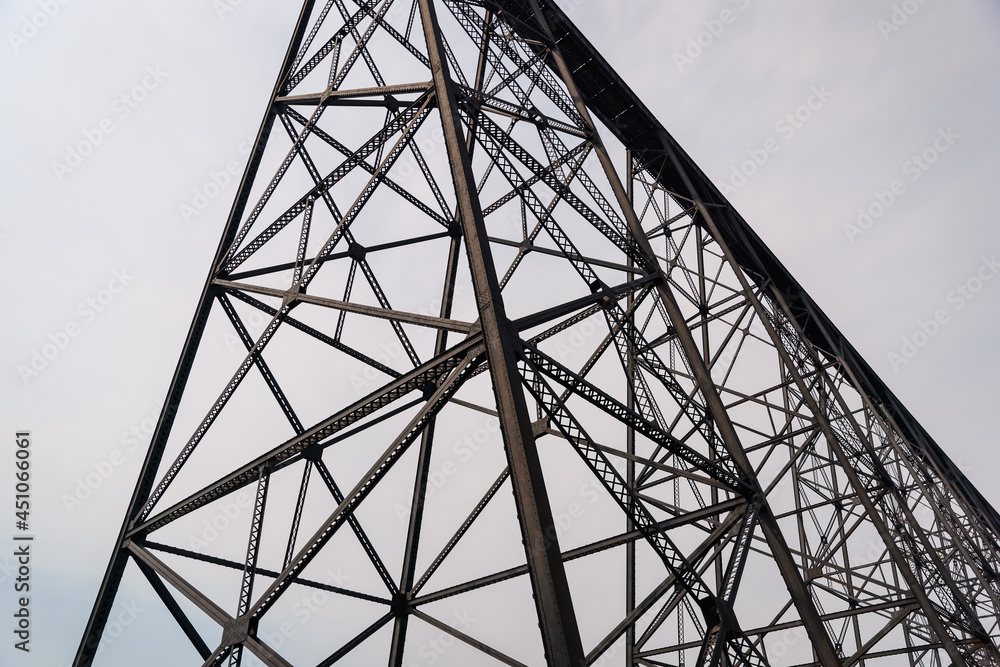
(427, 439)
(630, 448)
(793, 580)
(120, 555)
(557, 619)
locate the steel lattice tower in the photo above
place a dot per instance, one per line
(515, 367)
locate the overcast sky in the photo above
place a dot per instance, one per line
(119, 113)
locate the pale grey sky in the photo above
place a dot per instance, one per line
(162, 96)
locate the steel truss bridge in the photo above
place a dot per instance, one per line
(516, 385)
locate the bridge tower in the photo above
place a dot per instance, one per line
(517, 385)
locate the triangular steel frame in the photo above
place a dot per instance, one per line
(623, 326)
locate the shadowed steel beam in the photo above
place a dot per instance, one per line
(203, 602)
(556, 616)
(175, 610)
(371, 311)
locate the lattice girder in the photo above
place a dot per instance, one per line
(495, 323)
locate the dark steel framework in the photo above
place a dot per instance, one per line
(621, 431)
